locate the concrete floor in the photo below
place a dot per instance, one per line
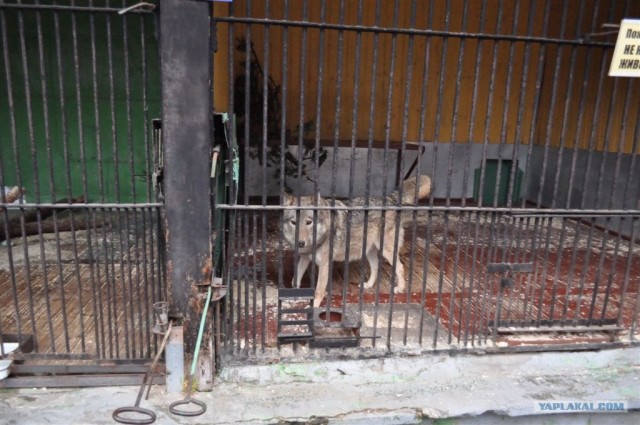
(468, 389)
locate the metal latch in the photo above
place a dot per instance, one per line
(507, 270)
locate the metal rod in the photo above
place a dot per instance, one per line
(411, 31)
(524, 212)
(60, 8)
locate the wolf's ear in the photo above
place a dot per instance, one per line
(287, 199)
(319, 198)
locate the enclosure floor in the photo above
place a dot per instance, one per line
(84, 303)
(579, 279)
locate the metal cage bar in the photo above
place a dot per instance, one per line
(512, 240)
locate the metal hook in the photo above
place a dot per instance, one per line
(149, 6)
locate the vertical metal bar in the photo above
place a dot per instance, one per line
(127, 293)
(147, 298)
(128, 109)
(579, 125)
(265, 142)
(505, 119)
(97, 298)
(536, 103)
(248, 280)
(437, 142)
(241, 276)
(398, 221)
(300, 137)
(385, 172)
(592, 136)
(474, 108)
(107, 338)
(374, 70)
(635, 318)
(246, 146)
(336, 137)
(230, 265)
(232, 275)
(354, 132)
(76, 73)
(349, 215)
(565, 114)
(621, 309)
(254, 295)
(148, 171)
(248, 44)
(62, 96)
(452, 142)
(485, 144)
(96, 107)
(98, 311)
(318, 126)
(421, 141)
(283, 138)
(145, 107)
(462, 323)
(112, 110)
(550, 118)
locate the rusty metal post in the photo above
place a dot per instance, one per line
(186, 109)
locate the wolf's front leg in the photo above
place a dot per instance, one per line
(372, 256)
(321, 287)
(303, 263)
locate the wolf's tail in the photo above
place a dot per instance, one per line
(409, 195)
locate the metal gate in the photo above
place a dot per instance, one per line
(528, 238)
(81, 255)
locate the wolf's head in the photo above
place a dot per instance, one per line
(305, 222)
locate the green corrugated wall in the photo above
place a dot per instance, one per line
(107, 133)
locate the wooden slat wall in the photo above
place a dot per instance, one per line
(494, 98)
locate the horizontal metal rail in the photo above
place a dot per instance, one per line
(525, 212)
(412, 31)
(65, 206)
(84, 9)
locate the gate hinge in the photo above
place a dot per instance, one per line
(219, 290)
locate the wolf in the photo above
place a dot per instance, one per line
(312, 232)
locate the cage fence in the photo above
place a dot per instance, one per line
(527, 237)
(81, 255)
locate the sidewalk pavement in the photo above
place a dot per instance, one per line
(466, 389)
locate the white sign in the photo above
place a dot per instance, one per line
(626, 56)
